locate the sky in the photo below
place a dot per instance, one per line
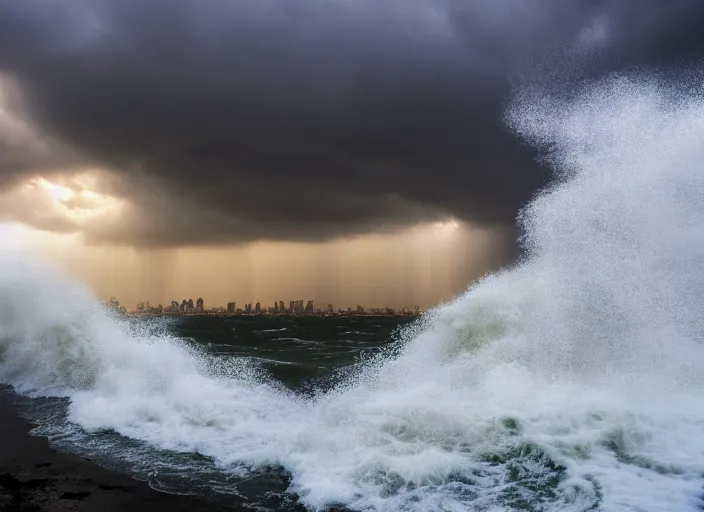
(337, 150)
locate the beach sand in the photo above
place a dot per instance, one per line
(34, 477)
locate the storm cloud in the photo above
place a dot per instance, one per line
(227, 121)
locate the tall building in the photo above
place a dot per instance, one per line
(231, 307)
(282, 308)
(330, 309)
(199, 305)
(257, 308)
(309, 307)
(292, 306)
(113, 305)
(189, 304)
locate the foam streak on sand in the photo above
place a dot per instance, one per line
(570, 382)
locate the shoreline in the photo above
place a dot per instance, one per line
(34, 477)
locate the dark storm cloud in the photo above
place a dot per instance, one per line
(306, 119)
(23, 151)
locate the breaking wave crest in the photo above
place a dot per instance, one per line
(572, 381)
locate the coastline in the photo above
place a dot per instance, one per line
(34, 477)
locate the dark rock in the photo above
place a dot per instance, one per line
(68, 495)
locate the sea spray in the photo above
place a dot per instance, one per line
(572, 381)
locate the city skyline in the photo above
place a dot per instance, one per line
(298, 307)
(294, 306)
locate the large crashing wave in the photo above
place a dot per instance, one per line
(573, 381)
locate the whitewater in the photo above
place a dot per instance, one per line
(572, 381)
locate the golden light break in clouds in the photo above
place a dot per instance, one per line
(65, 214)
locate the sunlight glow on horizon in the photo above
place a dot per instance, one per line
(418, 265)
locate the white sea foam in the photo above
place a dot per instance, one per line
(571, 380)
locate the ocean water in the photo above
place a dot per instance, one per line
(303, 356)
(570, 382)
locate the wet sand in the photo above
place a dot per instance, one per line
(34, 477)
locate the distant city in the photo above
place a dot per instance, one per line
(295, 308)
